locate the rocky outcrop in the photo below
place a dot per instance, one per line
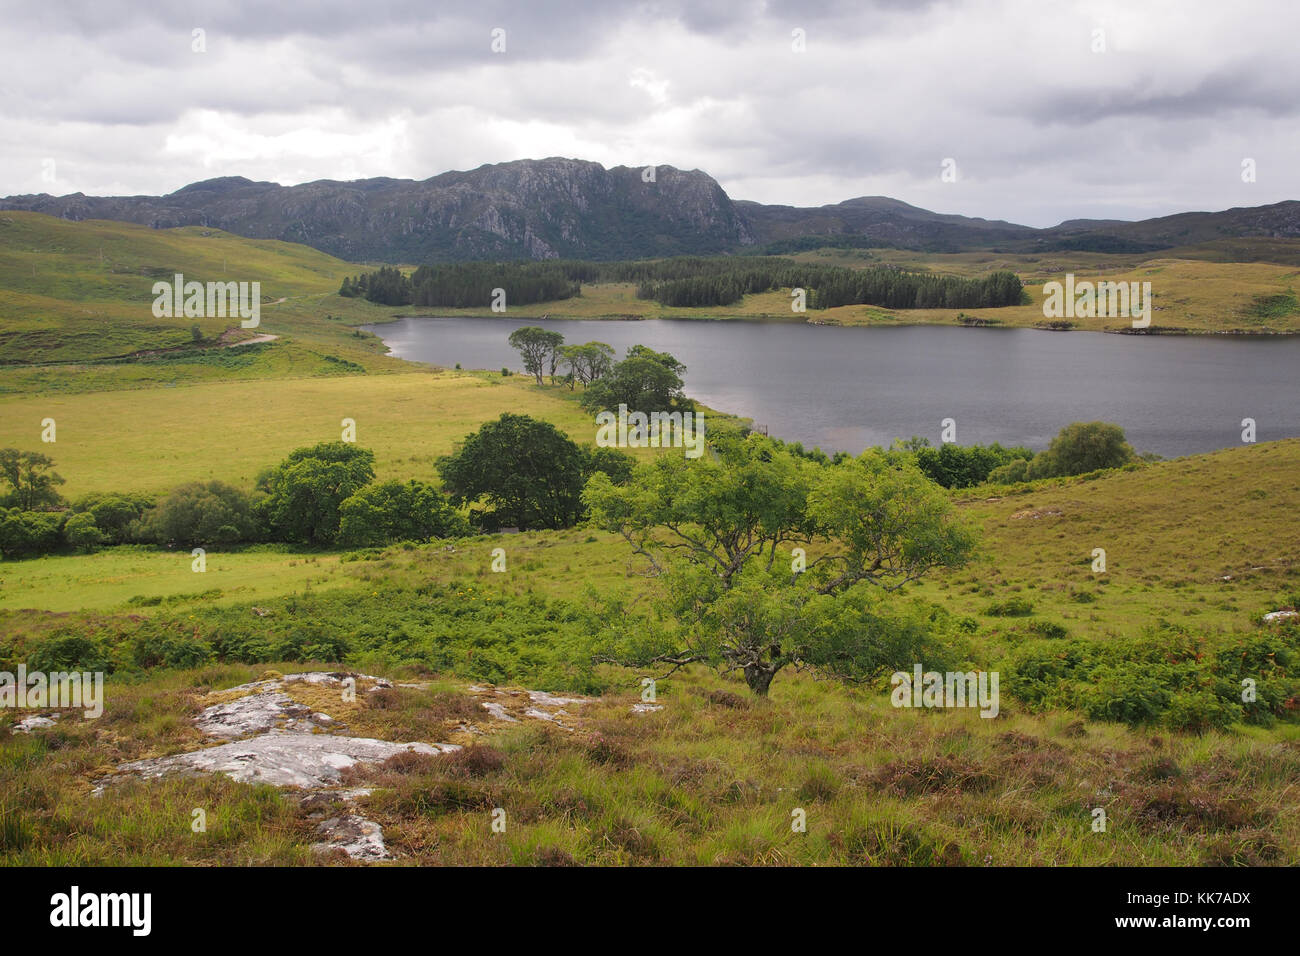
(268, 737)
(529, 209)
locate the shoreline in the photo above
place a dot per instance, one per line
(768, 319)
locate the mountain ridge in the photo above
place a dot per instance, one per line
(571, 208)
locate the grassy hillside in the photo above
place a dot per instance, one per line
(713, 778)
(80, 294)
(1206, 544)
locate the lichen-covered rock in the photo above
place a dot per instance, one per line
(35, 722)
(359, 838)
(282, 758)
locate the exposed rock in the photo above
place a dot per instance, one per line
(257, 713)
(283, 758)
(511, 706)
(270, 738)
(1031, 513)
(284, 744)
(543, 699)
(1272, 617)
(356, 836)
(498, 711)
(646, 708)
(35, 722)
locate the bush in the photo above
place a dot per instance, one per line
(964, 466)
(1013, 471)
(1080, 448)
(81, 533)
(170, 650)
(201, 513)
(25, 534)
(68, 652)
(1011, 607)
(382, 514)
(115, 514)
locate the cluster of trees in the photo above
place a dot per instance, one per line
(715, 282)
(960, 466)
(514, 472)
(896, 289)
(460, 285)
(322, 496)
(1078, 449)
(645, 380)
(686, 281)
(387, 286)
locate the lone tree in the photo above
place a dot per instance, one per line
(537, 347)
(723, 530)
(527, 473)
(31, 479)
(1080, 448)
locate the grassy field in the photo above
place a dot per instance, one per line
(1163, 561)
(151, 440)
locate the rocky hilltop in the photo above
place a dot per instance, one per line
(571, 208)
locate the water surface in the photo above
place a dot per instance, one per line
(846, 388)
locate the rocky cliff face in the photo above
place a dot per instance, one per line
(570, 208)
(539, 209)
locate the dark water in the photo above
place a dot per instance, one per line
(847, 388)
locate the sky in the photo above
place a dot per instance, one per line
(1032, 112)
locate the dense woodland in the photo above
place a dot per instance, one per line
(685, 281)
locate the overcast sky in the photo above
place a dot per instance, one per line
(110, 97)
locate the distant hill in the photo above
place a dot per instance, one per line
(570, 208)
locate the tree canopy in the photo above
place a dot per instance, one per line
(31, 480)
(537, 347)
(303, 494)
(525, 473)
(722, 531)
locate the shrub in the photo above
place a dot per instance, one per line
(29, 533)
(81, 533)
(1080, 448)
(115, 513)
(170, 650)
(68, 652)
(382, 514)
(201, 513)
(1011, 607)
(1013, 471)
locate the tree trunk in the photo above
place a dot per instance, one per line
(759, 677)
